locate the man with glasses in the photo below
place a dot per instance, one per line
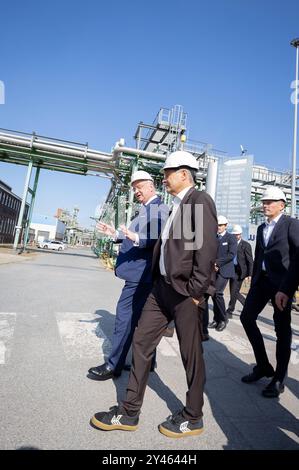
(134, 266)
(183, 266)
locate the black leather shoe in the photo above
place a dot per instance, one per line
(256, 375)
(273, 389)
(221, 326)
(205, 337)
(102, 372)
(213, 324)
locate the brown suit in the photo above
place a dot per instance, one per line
(189, 275)
(191, 272)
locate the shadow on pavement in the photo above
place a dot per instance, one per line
(246, 418)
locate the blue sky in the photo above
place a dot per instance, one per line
(90, 71)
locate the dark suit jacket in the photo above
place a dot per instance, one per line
(227, 250)
(134, 263)
(291, 280)
(191, 271)
(279, 252)
(244, 259)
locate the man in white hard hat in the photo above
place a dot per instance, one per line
(243, 263)
(134, 266)
(276, 244)
(224, 266)
(183, 267)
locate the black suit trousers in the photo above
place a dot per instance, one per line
(163, 305)
(259, 294)
(234, 288)
(218, 299)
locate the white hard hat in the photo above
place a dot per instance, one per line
(237, 229)
(141, 175)
(273, 193)
(180, 158)
(222, 220)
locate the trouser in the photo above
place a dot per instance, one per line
(128, 311)
(257, 298)
(218, 299)
(234, 289)
(163, 305)
(205, 317)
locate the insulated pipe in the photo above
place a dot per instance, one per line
(133, 151)
(59, 148)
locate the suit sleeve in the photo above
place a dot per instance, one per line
(248, 258)
(150, 232)
(291, 280)
(257, 250)
(204, 257)
(232, 251)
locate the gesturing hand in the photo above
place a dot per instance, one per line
(127, 233)
(106, 229)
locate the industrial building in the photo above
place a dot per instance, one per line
(46, 227)
(236, 183)
(10, 205)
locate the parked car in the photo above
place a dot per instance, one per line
(52, 245)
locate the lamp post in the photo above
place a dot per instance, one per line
(295, 43)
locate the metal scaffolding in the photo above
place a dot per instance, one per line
(168, 132)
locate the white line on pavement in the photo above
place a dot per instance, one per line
(7, 323)
(82, 336)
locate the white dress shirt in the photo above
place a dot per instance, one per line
(220, 235)
(165, 233)
(267, 232)
(236, 257)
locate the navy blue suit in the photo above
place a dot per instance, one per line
(134, 266)
(278, 256)
(227, 250)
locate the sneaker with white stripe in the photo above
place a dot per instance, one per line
(177, 425)
(114, 419)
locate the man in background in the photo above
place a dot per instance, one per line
(276, 244)
(243, 263)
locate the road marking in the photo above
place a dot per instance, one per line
(232, 341)
(7, 324)
(167, 347)
(82, 336)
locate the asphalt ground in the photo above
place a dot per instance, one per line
(56, 320)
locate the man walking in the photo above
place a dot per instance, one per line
(243, 263)
(183, 263)
(276, 245)
(134, 266)
(224, 267)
